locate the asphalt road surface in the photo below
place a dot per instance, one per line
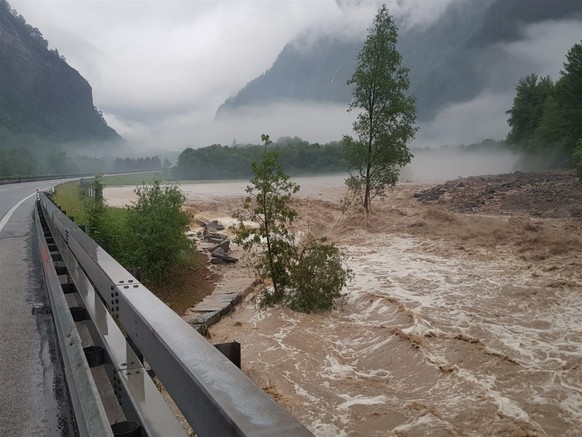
(34, 400)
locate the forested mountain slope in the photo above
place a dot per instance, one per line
(448, 60)
(43, 100)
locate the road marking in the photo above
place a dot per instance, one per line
(9, 213)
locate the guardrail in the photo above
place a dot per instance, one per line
(125, 322)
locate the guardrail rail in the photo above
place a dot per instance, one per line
(98, 304)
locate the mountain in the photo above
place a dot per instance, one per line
(448, 60)
(42, 98)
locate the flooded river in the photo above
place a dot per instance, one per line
(460, 331)
(425, 344)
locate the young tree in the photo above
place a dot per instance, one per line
(268, 204)
(385, 122)
(307, 277)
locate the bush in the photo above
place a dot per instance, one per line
(318, 277)
(156, 226)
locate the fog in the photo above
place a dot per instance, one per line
(313, 122)
(541, 51)
(442, 165)
(159, 70)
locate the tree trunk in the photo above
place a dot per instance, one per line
(368, 171)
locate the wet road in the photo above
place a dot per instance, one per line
(33, 398)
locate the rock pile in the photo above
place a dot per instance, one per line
(219, 247)
(552, 194)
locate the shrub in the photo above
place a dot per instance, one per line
(317, 277)
(156, 226)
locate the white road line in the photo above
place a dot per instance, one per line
(9, 213)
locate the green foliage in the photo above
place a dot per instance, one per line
(577, 158)
(149, 234)
(95, 207)
(156, 226)
(385, 123)
(569, 92)
(306, 280)
(545, 118)
(16, 162)
(139, 164)
(235, 162)
(69, 197)
(317, 277)
(528, 108)
(268, 204)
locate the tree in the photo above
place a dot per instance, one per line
(307, 277)
(156, 226)
(385, 123)
(526, 114)
(577, 158)
(268, 204)
(569, 92)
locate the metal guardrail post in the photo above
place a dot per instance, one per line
(216, 398)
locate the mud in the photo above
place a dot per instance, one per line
(458, 322)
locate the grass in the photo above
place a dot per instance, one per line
(139, 178)
(68, 197)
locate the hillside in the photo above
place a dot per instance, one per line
(41, 96)
(449, 60)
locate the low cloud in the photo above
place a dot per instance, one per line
(439, 166)
(312, 122)
(468, 122)
(418, 13)
(159, 70)
(544, 46)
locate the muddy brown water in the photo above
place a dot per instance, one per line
(424, 345)
(433, 338)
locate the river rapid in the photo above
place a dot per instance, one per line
(454, 325)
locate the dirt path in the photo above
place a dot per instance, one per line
(458, 322)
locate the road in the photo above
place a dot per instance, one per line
(34, 400)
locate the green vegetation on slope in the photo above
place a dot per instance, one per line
(546, 117)
(42, 99)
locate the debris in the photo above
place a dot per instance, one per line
(219, 253)
(224, 245)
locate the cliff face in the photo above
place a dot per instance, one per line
(448, 60)
(40, 94)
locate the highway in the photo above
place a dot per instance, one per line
(34, 400)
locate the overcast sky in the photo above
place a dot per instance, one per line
(160, 69)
